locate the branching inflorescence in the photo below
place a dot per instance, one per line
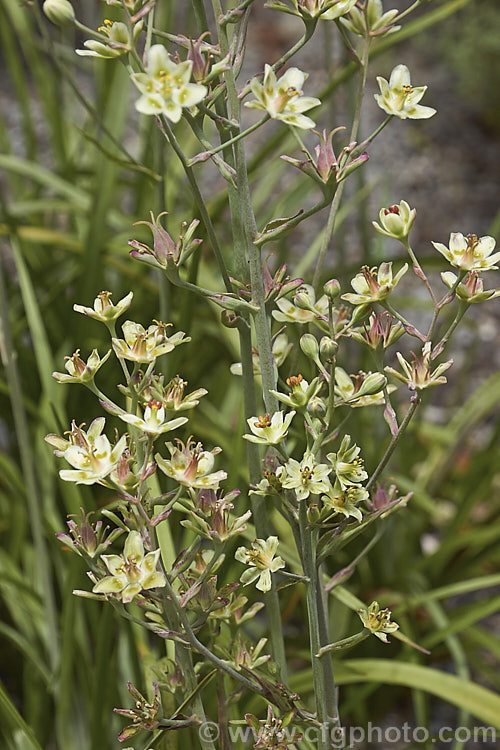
(304, 467)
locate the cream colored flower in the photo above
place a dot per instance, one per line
(345, 500)
(470, 252)
(347, 464)
(80, 371)
(104, 310)
(371, 19)
(191, 466)
(338, 9)
(141, 345)
(131, 572)
(378, 621)
(120, 40)
(470, 289)
(301, 391)
(262, 562)
(363, 389)
(373, 288)
(398, 97)
(166, 87)
(153, 422)
(90, 453)
(269, 430)
(291, 313)
(396, 221)
(417, 373)
(306, 478)
(282, 98)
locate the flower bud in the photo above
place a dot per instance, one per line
(303, 299)
(360, 313)
(59, 12)
(313, 513)
(396, 221)
(332, 289)
(316, 407)
(229, 319)
(327, 348)
(372, 383)
(309, 346)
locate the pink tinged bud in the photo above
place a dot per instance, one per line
(229, 319)
(289, 286)
(201, 65)
(89, 537)
(418, 272)
(390, 418)
(207, 500)
(316, 407)
(352, 166)
(161, 517)
(267, 278)
(332, 289)
(325, 157)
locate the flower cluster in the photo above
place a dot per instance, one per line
(165, 86)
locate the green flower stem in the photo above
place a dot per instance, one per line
(234, 13)
(394, 442)
(243, 225)
(308, 541)
(149, 31)
(242, 134)
(275, 234)
(348, 642)
(202, 649)
(310, 28)
(205, 217)
(92, 32)
(409, 326)
(324, 632)
(111, 326)
(361, 147)
(330, 226)
(438, 349)
(258, 504)
(207, 293)
(186, 664)
(439, 306)
(345, 38)
(183, 654)
(417, 265)
(412, 7)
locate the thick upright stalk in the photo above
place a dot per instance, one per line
(244, 230)
(308, 540)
